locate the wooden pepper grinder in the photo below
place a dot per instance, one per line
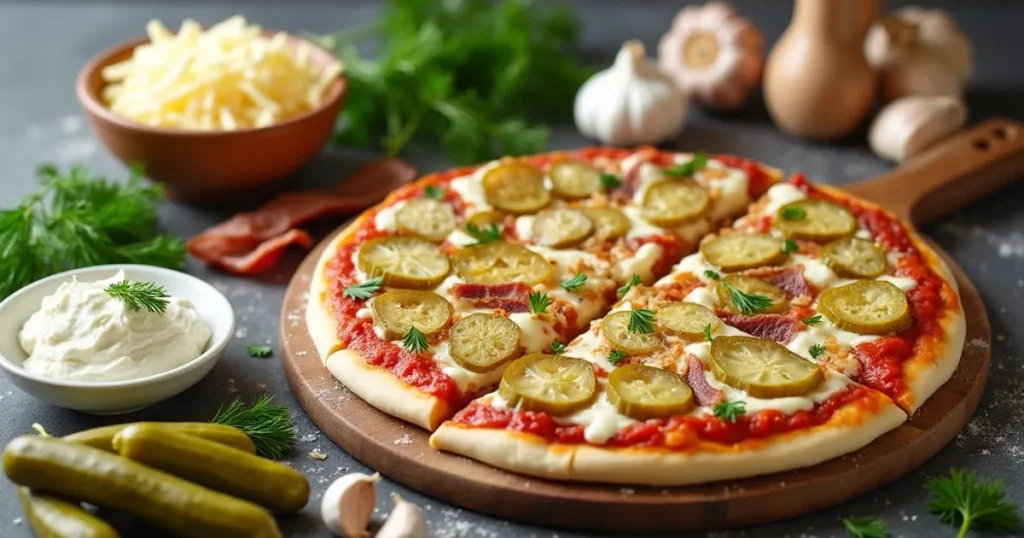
(817, 83)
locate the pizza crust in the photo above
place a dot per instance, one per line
(323, 329)
(530, 455)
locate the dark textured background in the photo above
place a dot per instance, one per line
(43, 44)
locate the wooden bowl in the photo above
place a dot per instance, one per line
(209, 165)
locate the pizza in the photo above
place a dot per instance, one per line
(635, 316)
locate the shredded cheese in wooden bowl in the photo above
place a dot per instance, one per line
(229, 77)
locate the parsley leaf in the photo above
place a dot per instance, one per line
(700, 160)
(616, 356)
(138, 296)
(816, 350)
(363, 290)
(539, 302)
(415, 340)
(747, 303)
(707, 333)
(812, 320)
(489, 234)
(634, 281)
(794, 213)
(729, 411)
(433, 191)
(866, 527)
(641, 321)
(712, 274)
(557, 347)
(610, 181)
(961, 499)
(258, 352)
(789, 246)
(574, 283)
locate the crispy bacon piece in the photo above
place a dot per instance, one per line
(788, 279)
(252, 242)
(775, 327)
(704, 393)
(510, 296)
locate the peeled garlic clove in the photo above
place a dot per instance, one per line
(907, 126)
(405, 521)
(347, 505)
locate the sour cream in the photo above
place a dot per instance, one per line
(83, 334)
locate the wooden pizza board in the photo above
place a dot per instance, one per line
(965, 168)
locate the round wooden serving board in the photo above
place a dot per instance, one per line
(971, 165)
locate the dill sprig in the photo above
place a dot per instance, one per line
(363, 290)
(539, 302)
(633, 281)
(866, 527)
(700, 160)
(574, 283)
(269, 425)
(258, 351)
(616, 356)
(641, 321)
(610, 181)
(747, 303)
(557, 347)
(816, 350)
(729, 411)
(415, 340)
(488, 234)
(138, 296)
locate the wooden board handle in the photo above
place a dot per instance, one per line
(952, 174)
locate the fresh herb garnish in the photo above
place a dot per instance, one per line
(616, 356)
(610, 181)
(794, 213)
(700, 160)
(707, 333)
(866, 527)
(712, 274)
(363, 290)
(816, 350)
(415, 340)
(557, 347)
(257, 351)
(641, 321)
(433, 191)
(80, 219)
(470, 74)
(729, 411)
(488, 234)
(138, 296)
(789, 246)
(812, 320)
(960, 499)
(747, 303)
(574, 283)
(633, 281)
(269, 425)
(539, 302)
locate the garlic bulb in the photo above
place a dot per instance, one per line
(713, 55)
(630, 103)
(347, 505)
(919, 51)
(405, 521)
(907, 126)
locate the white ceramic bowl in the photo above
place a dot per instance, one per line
(114, 397)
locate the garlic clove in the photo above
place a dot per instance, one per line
(909, 125)
(347, 505)
(405, 521)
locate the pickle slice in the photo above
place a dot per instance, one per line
(854, 257)
(496, 263)
(866, 307)
(816, 220)
(561, 227)
(609, 223)
(671, 203)
(484, 342)
(516, 188)
(751, 286)
(486, 219)
(739, 251)
(762, 368)
(574, 180)
(403, 262)
(615, 328)
(687, 319)
(552, 384)
(644, 392)
(399, 310)
(427, 218)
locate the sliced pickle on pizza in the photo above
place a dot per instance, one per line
(397, 311)
(854, 257)
(624, 334)
(762, 368)
(516, 188)
(816, 220)
(486, 219)
(484, 342)
(743, 294)
(430, 219)
(688, 320)
(561, 227)
(672, 203)
(644, 392)
(552, 384)
(497, 263)
(404, 262)
(573, 180)
(740, 251)
(609, 223)
(866, 307)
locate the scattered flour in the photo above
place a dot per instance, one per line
(317, 454)
(404, 440)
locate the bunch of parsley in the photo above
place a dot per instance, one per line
(473, 74)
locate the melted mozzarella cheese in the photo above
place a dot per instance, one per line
(537, 331)
(781, 194)
(600, 420)
(386, 219)
(816, 272)
(524, 227)
(694, 264)
(647, 175)
(902, 282)
(471, 189)
(832, 384)
(702, 296)
(640, 263)
(465, 379)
